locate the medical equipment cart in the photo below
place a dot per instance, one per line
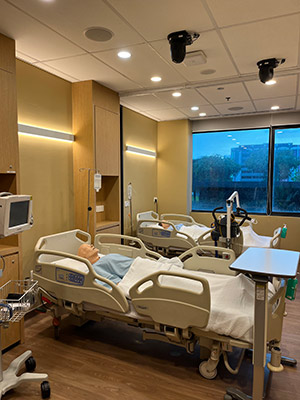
(262, 263)
(17, 298)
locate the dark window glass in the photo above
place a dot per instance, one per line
(286, 171)
(227, 161)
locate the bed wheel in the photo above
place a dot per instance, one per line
(56, 332)
(30, 364)
(45, 389)
(205, 373)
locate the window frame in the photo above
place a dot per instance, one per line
(272, 130)
(270, 172)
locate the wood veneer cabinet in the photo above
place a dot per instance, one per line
(96, 125)
(9, 162)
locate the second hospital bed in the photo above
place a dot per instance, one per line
(180, 314)
(186, 233)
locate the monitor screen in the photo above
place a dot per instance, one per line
(18, 213)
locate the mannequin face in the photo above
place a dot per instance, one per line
(89, 252)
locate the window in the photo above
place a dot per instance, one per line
(286, 171)
(227, 161)
(239, 160)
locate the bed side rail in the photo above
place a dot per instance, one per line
(76, 285)
(170, 300)
(126, 245)
(178, 218)
(149, 215)
(275, 241)
(203, 258)
(205, 237)
(66, 242)
(160, 237)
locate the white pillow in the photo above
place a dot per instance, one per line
(74, 264)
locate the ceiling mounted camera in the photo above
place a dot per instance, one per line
(266, 68)
(178, 41)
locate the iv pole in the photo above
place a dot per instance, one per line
(89, 208)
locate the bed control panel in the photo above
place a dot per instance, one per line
(69, 277)
(161, 233)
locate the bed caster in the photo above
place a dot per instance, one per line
(30, 364)
(45, 389)
(205, 372)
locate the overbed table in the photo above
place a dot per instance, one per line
(261, 264)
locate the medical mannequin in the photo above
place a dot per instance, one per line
(110, 266)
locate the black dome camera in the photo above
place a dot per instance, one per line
(178, 41)
(266, 68)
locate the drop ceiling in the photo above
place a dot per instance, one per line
(234, 36)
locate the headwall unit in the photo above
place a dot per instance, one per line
(96, 125)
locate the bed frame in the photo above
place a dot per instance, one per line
(164, 313)
(175, 242)
(168, 241)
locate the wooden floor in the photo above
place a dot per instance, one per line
(109, 361)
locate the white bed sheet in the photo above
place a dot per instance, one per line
(252, 239)
(195, 231)
(232, 297)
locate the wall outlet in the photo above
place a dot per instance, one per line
(155, 199)
(100, 208)
(127, 203)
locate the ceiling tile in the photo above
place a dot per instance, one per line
(210, 111)
(282, 102)
(246, 107)
(87, 67)
(166, 115)
(253, 42)
(285, 86)
(217, 95)
(188, 98)
(33, 38)
(139, 69)
(146, 102)
(232, 12)
(155, 19)
(71, 19)
(217, 58)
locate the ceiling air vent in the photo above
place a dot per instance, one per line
(195, 58)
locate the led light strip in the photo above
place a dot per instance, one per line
(46, 133)
(140, 151)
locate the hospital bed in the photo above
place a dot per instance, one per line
(193, 234)
(175, 305)
(172, 240)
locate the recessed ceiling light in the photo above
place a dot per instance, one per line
(271, 82)
(176, 94)
(195, 108)
(156, 79)
(124, 54)
(275, 108)
(208, 71)
(98, 34)
(233, 138)
(202, 114)
(229, 135)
